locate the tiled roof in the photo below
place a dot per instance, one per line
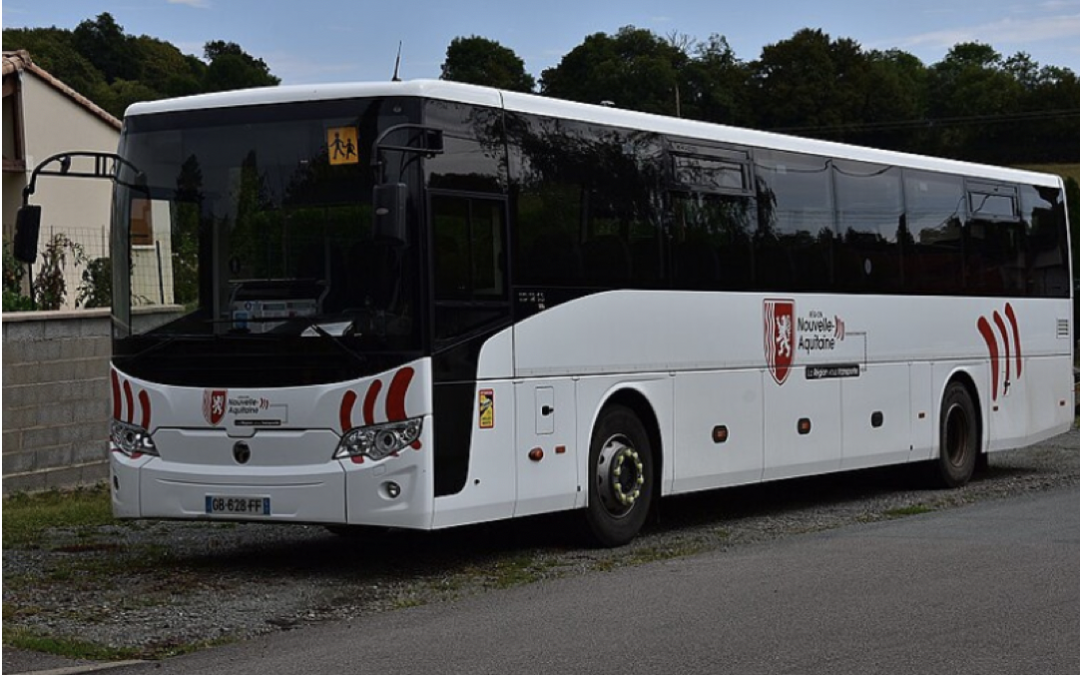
(20, 61)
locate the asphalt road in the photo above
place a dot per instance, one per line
(991, 588)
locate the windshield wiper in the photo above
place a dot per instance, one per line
(313, 324)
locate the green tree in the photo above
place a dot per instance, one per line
(167, 69)
(103, 42)
(971, 95)
(811, 81)
(713, 84)
(233, 68)
(477, 60)
(634, 69)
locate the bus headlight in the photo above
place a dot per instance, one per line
(131, 440)
(379, 441)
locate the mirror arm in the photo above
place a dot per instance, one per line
(378, 147)
(106, 165)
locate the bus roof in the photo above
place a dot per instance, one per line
(551, 107)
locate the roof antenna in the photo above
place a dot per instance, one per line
(397, 64)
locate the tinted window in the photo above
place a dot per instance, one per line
(869, 211)
(470, 277)
(588, 204)
(473, 158)
(796, 229)
(934, 262)
(1043, 213)
(712, 241)
(996, 247)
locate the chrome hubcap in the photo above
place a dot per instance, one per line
(620, 475)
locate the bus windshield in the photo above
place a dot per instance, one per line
(243, 239)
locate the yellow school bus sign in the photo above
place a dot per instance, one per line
(342, 144)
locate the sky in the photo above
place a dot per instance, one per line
(316, 41)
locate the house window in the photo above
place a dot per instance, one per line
(142, 226)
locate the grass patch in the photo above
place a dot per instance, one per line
(904, 511)
(27, 517)
(72, 648)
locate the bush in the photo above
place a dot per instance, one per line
(14, 300)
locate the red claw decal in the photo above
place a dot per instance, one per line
(116, 403)
(1006, 339)
(395, 400)
(123, 399)
(394, 405)
(347, 403)
(369, 402)
(991, 346)
(130, 402)
(1011, 315)
(144, 404)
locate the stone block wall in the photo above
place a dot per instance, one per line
(55, 399)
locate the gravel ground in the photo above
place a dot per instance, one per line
(161, 587)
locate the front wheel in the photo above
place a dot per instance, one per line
(621, 484)
(959, 437)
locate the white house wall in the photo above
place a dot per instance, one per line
(77, 207)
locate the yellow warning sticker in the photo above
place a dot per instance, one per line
(487, 409)
(341, 143)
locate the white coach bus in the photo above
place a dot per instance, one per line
(426, 304)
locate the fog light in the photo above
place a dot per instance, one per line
(392, 489)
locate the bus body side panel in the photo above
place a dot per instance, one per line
(877, 420)
(924, 403)
(547, 454)
(854, 356)
(719, 429)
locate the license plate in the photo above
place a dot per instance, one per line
(237, 506)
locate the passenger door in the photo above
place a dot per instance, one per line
(470, 289)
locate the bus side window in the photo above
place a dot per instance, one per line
(934, 221)
(1043, 214)
(869, 206)
(796, 231)
(996, 247)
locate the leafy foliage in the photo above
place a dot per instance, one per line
(14, 300)
(50, 286)
(975, 104)
(477, 60)
(95, 289)
(114, 69)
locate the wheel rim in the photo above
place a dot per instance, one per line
(620, 476)
(957, 435)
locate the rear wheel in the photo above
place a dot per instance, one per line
(621, 484)
(959, 437)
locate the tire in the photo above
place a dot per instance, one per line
(959, 438)
(621, 481)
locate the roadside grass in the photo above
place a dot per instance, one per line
(28, 517)
(74, 648)
(69, 647)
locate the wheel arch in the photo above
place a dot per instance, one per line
(965, 379)
(638, 402)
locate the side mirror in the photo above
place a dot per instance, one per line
(389, 202)
(432, 141)
(27, 227)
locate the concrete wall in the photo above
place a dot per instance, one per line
(55, 399)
